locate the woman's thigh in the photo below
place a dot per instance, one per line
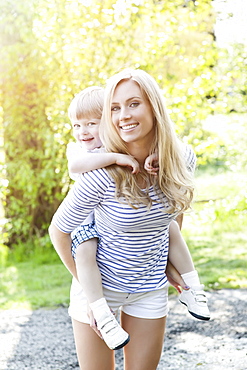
(146, 342)
(92, 352)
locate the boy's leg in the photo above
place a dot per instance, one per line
(179, 255)
(90, 279)
(87, 270)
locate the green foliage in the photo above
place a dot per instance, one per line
(231, 70)
(3, 254)
(39, 250)
(52, 50)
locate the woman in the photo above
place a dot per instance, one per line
(132, 216)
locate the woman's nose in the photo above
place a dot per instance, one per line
(124, 114)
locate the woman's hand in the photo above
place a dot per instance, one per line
(92, 321)
(151, 164)
(175, 278)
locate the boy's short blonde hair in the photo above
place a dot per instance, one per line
(87, 104)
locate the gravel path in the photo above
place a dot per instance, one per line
(43, 339)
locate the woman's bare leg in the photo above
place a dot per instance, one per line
(92, 352)
(146, 342)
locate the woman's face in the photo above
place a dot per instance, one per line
(132, 114)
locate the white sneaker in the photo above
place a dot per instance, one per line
(196, 301)
(113, 334)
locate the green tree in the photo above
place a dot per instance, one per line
(53, 49)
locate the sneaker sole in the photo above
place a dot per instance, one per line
(204, 318)
(122, 344)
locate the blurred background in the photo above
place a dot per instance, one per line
(52, 49)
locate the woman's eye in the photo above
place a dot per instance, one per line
(134, 104)
(114, 109)
(91, 123)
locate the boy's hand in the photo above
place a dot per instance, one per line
(151, 164)
(128, 161)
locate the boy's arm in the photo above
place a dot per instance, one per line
(80, 161)
(151, 164)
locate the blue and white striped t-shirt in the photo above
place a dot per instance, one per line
(133, 243)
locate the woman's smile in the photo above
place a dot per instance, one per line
(129, 127)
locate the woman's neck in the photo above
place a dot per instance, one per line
(140, 153)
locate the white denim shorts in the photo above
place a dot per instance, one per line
(146, 305)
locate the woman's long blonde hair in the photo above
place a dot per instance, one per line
(174, 179)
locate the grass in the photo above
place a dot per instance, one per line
(30, 286)
(215, 230)
(215, 234)
(220, 259)
(218, 185)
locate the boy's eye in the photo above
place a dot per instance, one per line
(91, 123)
(76, 125)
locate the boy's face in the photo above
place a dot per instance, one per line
(86, 133)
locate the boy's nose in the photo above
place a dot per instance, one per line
(83, 130)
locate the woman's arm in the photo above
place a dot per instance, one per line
(174, 277)
(62, 245)
(82, 199)
(179, 220)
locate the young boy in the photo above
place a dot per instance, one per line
(87, 155)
